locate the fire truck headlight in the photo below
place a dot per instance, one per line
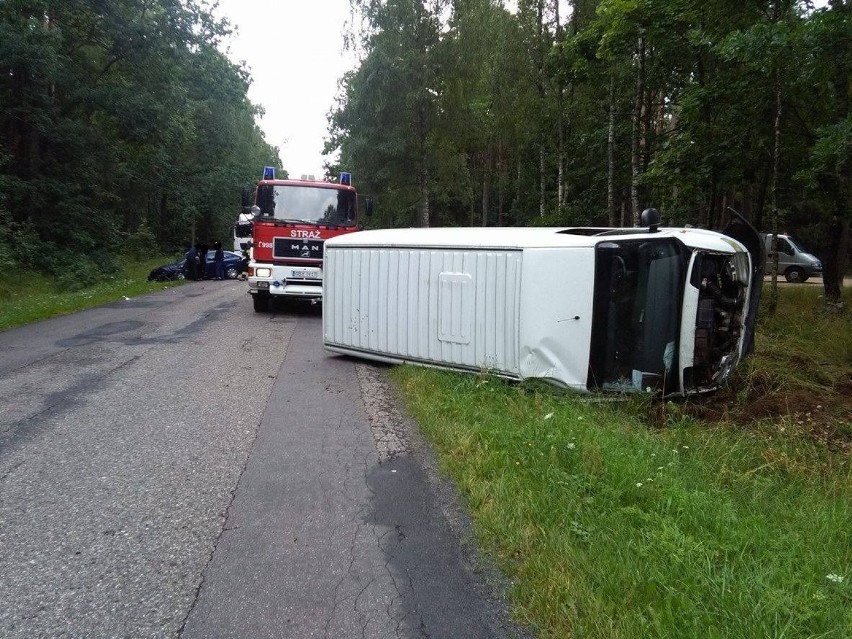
(263, 272)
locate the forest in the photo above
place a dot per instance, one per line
(125, 128)
(585, 112)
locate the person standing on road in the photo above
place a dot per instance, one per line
(202, 260)
(219, 261)
(189, 267)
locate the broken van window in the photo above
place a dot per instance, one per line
(637, 307)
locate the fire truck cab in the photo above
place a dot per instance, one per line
(292, 221)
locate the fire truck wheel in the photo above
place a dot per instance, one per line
(261, 303)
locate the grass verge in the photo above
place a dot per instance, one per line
(28, 297)
(640, 519)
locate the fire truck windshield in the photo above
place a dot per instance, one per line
(308, 204)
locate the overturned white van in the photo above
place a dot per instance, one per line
(669, 311)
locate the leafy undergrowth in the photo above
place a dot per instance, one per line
(724, 517)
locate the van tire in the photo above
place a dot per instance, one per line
(261, 303)
(795, 275)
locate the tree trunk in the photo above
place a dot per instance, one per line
(610, 155)
(560, 121)
(772, 302)
(424, 197)
(501, 180)
(833, 266)
(516, 199)
(760, 199)
(712, 205)
(542, 191)
(486, 186)
(542, 94)
(472, 213)
(638, 103)
(835, 259)
(424, 166)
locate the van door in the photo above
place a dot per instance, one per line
(741, 230)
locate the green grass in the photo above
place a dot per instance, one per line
(631, 520)
(28, 297)
(800, 333)
(799, 380)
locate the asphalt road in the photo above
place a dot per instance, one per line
(178, 465)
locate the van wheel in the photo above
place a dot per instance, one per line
(795, 275)
(261, 303)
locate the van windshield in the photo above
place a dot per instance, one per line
(797, 247)
(637, 308)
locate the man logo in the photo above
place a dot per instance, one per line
(306, 250)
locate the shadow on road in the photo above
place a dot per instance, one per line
(301, 308)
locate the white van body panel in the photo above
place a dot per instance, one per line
(460, 308)
(480, 306)
(516, 302)
(474, 310)
(556, 314)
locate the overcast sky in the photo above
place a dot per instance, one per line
(294, 50)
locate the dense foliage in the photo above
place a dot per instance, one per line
(463, 112)
(123, 128)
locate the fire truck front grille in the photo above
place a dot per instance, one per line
(317, 283)
(284, 248)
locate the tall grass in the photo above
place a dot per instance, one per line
(799, 379)
(27, 297)
(609, 526)
(802, 332)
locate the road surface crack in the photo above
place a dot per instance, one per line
(225, 528)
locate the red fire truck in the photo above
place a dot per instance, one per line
(292, 219)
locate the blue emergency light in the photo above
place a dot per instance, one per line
(269, 173)
(346, 178)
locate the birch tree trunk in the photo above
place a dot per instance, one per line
(560, 121)
(610, 156)
(542, 94)
(638, 103)
(486, 186)
(772, 302)
(542, 184)
(424, 197)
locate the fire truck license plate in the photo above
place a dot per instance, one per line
(305, 275)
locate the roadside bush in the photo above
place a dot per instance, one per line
(141, 243)
(26, 248)
(73, 272)
(7, 258)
